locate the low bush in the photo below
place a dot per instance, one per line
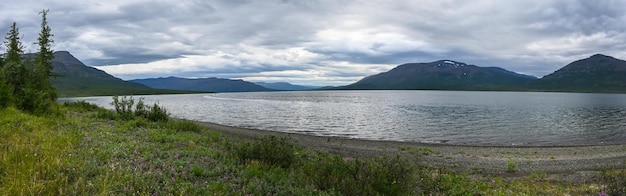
(106, 114)
(511, 166)
(124, 106)
(443, 182)
(82, 106)
(140, 109)
(350, 176)
(183, 125)
(124, 109)
(156, 113)
(272, 150)
(613, 181)
(6, 97)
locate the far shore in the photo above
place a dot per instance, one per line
(562, 163)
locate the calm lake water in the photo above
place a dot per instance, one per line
(455, 117)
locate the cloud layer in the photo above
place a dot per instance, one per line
(321, 42)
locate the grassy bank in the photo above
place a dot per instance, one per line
(86, 150)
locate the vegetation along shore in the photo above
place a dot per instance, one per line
(137, 149)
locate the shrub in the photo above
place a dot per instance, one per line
(157, 113)
(124, 109)
(511, 166)
(272, 150)
(138, 122)
(443, 182)
(81, 105)
(141, 108)
(614, 181)
(106, 114)
(184, 126)
(350, 176)
(5, 95)
(35, 101)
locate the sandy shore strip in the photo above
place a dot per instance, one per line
(566, 163)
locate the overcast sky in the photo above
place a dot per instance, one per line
(320, 42)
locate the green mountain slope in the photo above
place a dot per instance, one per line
(598, 73)
(443, 75)
(76, 80)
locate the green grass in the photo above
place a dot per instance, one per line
(92, 151)
(613, 181)
(34, 153)
(511, 166)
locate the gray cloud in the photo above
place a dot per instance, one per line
(321, 41)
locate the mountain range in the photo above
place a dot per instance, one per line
(284, 86)
(75, 79)
(443, 75)
(598, 73)
(201, 84)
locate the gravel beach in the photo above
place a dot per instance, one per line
(563, 163)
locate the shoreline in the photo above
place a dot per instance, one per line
(569, 163)
(260, 132)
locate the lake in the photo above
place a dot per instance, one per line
(453, 117)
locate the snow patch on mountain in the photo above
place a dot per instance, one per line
(448, 63)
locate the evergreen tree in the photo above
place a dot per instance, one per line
(46, 54)
(15, 49)
(13, 72)
(43, 60)
(25, 83)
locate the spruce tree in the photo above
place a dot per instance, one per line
(46, 54)
(13, 72)
(43, 61)
(25, 82)
(15, 49)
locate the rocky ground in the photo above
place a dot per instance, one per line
(564, 163)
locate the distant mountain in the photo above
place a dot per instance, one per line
(285, 86)
(201, 84)
(76, 79)
(598, 73)
(443, 75)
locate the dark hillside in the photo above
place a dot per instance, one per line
(443, 75)
(201, 84)
(75, 79)
(598, 73)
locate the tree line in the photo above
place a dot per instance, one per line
(25, 79)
